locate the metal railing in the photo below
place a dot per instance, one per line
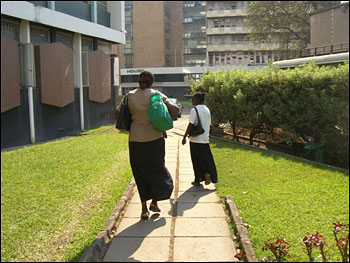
(325, 50)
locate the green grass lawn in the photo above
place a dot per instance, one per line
(55, 197)
(186, 103)
(282, 196)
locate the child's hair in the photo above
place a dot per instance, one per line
(200, 97)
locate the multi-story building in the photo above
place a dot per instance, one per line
(194, 33)
(329, 31)
(227, 42)
(59, 67)
(329, 36)
(154, 34)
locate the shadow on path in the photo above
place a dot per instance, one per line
(189, 199)
(127, 242)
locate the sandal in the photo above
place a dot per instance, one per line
(154, 208)
(207, 178)
(144, 216)
(196, 183)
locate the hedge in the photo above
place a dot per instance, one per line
(310, 104)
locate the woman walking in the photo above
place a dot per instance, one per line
(202, 158)
(147, 148)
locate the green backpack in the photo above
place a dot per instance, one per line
(158, 113)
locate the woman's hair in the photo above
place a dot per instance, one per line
(200, 97)
(147, 74)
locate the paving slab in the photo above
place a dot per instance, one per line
(183, 187)
(135, 199)
(201, 227)
(185, 160)
(204, 249)
(135, 227)
(185, 165)
(200, 210)
(134, 210)
(130, 249)
(172, 171)
(170, 160)
(187, 178)
(206, 196)
(188, 170)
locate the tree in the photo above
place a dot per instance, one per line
(284, 22)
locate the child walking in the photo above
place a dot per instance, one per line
(202, 158)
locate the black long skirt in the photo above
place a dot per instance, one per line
(152, 178)
(203, 161)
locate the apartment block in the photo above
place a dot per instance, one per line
(227, 42)
(59, 67)
(194, 33)
(330, 30)
(154, 34)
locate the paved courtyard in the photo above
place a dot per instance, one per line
(191, 227)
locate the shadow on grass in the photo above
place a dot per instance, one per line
(77, 257)
(215, 143)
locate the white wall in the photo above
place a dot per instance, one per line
(27, 11)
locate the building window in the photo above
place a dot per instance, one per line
(217, 59)
(102, 5)
(167, 30)
(233, 5)
(39, 35)
(188, 4)
(104, 46)
(167, 60)
(228, 22)
(188, 20)
(129, 60)
(210, 59)
(251, 57)
(128, 47)
(263, 57)
(86, 47)
(167, 43)
(10, 29)
(257, 58)
(222, 40)
(187, 35)
(65, 38)
(166, 12)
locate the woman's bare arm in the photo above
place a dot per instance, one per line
(189, 127)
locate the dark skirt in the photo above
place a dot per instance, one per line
(152, 178)
(203, 161)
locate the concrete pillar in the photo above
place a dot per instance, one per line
(24, 37)
(51, 5)
(78, 75)
(94, 12)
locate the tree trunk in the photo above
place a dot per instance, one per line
(251, 137)
(234, 131)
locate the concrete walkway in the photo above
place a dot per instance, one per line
(191, 226)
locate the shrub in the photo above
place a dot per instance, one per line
(309, 103)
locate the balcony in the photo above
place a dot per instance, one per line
(325, 50)
(228, 30)
(226, 13)
(241, 46)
